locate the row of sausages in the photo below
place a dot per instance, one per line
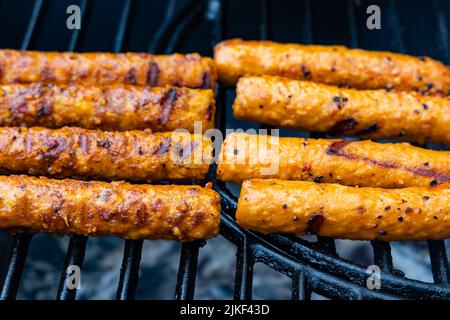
(120, 92)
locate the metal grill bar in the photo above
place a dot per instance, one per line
(439, 262)
(76, 33)
(243, 282)
(300, 286)
(264, 26)
(32, 24)
(382, 255)
(396, 28)
(74, 257)
(129, 272)
(443, 29)
(120, 34)
(169, 25)
(183, 26)
(17, 258)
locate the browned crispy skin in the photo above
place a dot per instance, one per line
(190, 70)
(335, 65)
(332, 210)
(183, 213)
(93, 154)
(375, 114)
(112, 107)
(352, 163)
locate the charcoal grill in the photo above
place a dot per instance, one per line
(313, 266)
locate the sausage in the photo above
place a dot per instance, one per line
(351, 163)
(190, 70)
(112, 107)
(336, 211)
(93, 154)
(375, 114)
(335, 65)
(93, 208)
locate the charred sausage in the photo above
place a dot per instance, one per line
(93, 154)
(352, 163)
(190, 70)
(375, 114)
(112, 107)
(335, 65)
(92, 208)
(332, 210)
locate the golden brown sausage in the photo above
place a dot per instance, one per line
(375, 114)
(352, 163)
(332, 210)
(336, 65)
(129, 155)
(190, 70)
(63, 207)
(112, 107)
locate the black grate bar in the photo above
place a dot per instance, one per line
(129, 272)
(439, 262)
(307, 32)
(76, 33)
(187, 271)
(74, 257)
(169, 25)
(264, 24)
(382, 255)
(21, 242)
(442, 29)
(243, 281)
(32, 24)
(121, 30)
(352, 24)
(300, 284)
(17, 258)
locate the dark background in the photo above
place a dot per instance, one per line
(415, 27)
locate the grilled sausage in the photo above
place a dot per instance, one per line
(407, 116)
(352, 163)
(91, 154)
(142, 69)
(113, 107)
(332, 210)
(335, 65)
(63, 207)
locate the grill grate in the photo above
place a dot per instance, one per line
(312, 266)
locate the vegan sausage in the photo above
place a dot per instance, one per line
(375, 114)
(112, 107)
(96, 68)
(93, 154)
(335, 65)
(121, 209)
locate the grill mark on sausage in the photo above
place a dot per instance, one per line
(163, 147)
(427, 172)
(167, 102)
(314, 223)
(343, 126)
(336, 149)
(131, 76)
(209, 112)
(206, 81)
(152, 74)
